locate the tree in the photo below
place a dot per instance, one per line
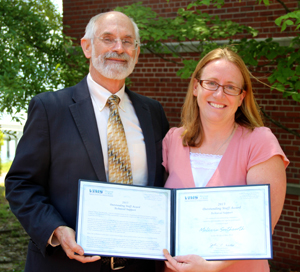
(1, 143)
(199, 31)
(35, 55)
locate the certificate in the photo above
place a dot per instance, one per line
(123, 220)
(223, 223)
(217, 223)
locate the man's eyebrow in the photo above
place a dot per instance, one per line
(111, 34)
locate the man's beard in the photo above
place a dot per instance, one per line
(113, 70)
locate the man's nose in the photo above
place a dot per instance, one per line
(118, 46)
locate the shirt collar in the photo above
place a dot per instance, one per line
(100, 95)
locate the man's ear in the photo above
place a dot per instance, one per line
(86, 45)
(138, 53)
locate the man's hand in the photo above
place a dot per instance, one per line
(66, 238)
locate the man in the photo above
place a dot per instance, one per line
(65, 139)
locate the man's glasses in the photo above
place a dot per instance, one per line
(213, 86)
(127, 43)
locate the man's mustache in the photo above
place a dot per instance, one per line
(122, 56)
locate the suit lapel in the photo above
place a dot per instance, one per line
(85, 120)
(144, 116)
(83, 113)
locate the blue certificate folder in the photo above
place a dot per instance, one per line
(217, 223)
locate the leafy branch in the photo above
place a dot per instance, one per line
(196, 31)
(284, 6)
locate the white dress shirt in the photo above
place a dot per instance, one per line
(131, 124)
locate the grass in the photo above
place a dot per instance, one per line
(13, 238)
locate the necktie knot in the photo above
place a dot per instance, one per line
(113, 101)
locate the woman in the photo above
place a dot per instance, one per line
(222, 142)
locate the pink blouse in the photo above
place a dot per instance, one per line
(245, 150)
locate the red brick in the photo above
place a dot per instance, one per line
(292, 230)
(296, 236)
(292, 208)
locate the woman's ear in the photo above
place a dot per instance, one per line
(242, 96)
(195, 87)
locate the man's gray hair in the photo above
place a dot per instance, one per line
(91, 27)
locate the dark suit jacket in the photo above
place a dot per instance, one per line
(61, 145)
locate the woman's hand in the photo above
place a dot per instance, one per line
(190, 263)
(193, 263)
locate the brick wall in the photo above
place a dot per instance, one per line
(157, 78)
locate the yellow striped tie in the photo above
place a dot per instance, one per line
(118, 154)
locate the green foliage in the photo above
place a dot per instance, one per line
(189, 26)
(10, 134)
(266, 2)
(13, 236)
(287, 20)
(5, 166)
(35, 56)
(5, 212)
(215, 3)
(1, 143)
(287, 73)
(198, 32)
(1, 138)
